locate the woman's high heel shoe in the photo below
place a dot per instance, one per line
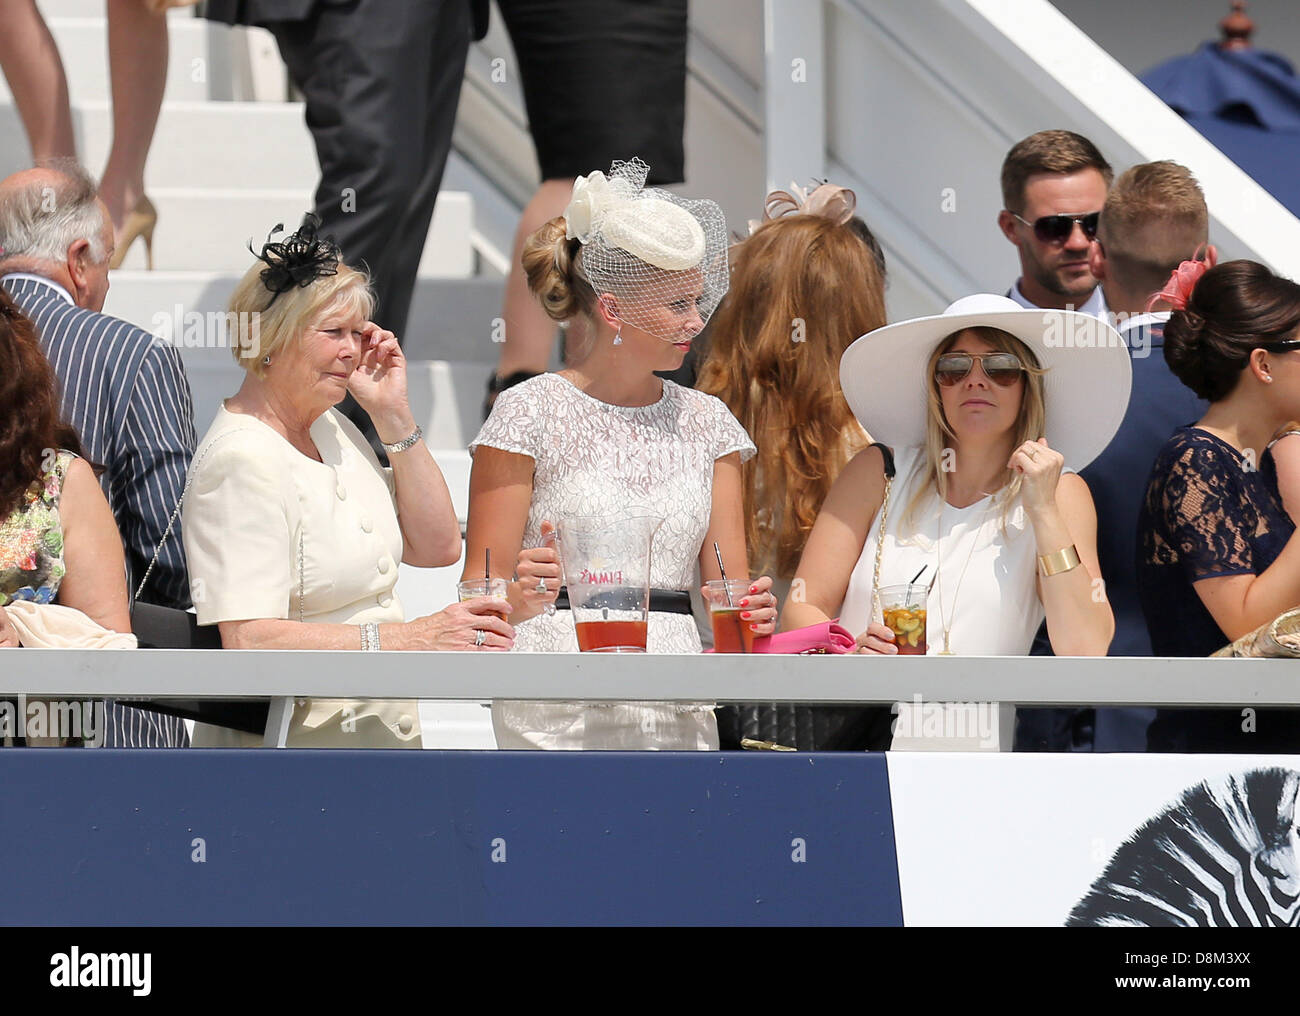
(139, 223)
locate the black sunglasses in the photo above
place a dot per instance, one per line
(1285, 346)
(1003, 369)
(1056, 229)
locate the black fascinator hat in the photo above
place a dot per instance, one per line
(299, 259)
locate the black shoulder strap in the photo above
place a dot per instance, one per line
(888, 454)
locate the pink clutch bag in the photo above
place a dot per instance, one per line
(816, 639)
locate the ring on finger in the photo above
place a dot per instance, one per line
(480, 636)
(541, 587)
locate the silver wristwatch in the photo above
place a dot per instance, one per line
(405, 443)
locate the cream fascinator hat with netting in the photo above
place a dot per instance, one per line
(636, 243)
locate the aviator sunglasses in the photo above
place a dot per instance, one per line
(1003, 369)
(1056, 229)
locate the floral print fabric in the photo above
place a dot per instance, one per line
(31, 539)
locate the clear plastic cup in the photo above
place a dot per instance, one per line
(905, 616)
(731, 632)
(472, 589)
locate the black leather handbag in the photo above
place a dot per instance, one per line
(777, 726)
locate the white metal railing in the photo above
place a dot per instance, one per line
(1026, 681)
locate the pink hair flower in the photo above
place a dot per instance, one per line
(1183, 279)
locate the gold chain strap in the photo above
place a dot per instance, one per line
(878, 614)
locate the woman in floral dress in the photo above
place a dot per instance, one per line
(58, 540)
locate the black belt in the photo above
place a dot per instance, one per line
(664, 601)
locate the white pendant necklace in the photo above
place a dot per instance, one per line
(945, 618)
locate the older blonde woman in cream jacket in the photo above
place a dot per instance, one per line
(293, 531)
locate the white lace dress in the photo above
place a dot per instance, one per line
(593, 458)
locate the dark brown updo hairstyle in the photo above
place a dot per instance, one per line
(30, 424)
(553, 266)
(1234, 308)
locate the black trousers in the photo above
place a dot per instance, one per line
(381, 80)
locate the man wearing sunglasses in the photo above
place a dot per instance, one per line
(1053, 187)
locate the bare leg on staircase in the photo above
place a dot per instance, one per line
(32, 66)
(137, 61)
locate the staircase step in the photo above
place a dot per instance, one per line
(95, 9)
(243, 166)
(209, 230)
(226, 145)
(222, 145)
(202, 58)
(451, 319)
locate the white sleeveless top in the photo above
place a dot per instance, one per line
(991, 610)
(994, 610)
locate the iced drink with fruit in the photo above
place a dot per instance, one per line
(904, 608)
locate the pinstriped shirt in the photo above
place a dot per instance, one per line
(127, 396)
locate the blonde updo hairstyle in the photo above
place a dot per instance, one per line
(262, 324)
(553, 264)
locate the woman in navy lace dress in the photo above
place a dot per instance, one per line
(1218, 554)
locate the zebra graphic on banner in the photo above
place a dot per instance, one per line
(1225, 854)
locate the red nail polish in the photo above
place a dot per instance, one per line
(744, 603)
(745, 614)
(753, 589)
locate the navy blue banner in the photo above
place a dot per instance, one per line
(428, 837)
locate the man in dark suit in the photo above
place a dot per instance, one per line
(124, 392)
(1154, 219)
(381, 79)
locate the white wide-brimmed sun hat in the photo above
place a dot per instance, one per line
(1085, 388)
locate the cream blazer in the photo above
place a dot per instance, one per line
(271, 533)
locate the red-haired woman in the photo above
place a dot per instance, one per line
(805, 284)
(58, 540)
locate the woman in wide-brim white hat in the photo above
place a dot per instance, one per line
(988, 409)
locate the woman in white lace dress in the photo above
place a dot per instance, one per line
(610, 438)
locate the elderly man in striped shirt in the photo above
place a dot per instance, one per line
(124, 391)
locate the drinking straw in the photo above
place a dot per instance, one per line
(725, 586)
(487, 565)
(908, 595)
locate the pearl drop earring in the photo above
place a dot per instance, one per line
(618, 336)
